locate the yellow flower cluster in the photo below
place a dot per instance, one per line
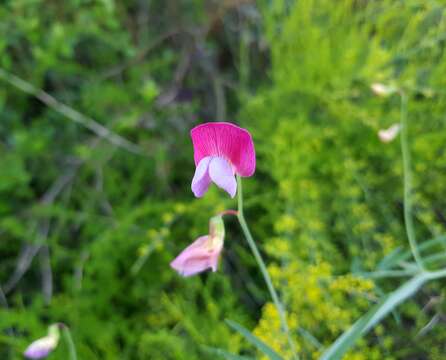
(269, 330)
(319, 305)
(286, 223)
(156, 237)
(350, 284)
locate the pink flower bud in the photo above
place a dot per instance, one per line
(203, 253)
(383, 90)
(387, 135)
(42, 347)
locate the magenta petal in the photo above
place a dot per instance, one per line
(201, 180)
(221, 173)
(197, 257)
(225, 140)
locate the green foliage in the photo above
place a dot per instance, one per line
(87, 228)
(112, 220)
(259, 344)
(337, 189)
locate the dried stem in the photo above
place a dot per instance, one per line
(70, 113)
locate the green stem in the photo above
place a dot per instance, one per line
(69, 341)
(433, 258)
(432, 275)
(262, 266)
(387, 274)
(408, 219)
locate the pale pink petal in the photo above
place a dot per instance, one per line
(222, 175)
(387, 135)
(40, 348)
(201, 180)
(225, 140)
(196, 265)
(36, 353)
(197, 257)
(196, 246)
(383, 90)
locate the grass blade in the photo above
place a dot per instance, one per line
(224, 354)
(397, 256)
(254, 340)
(391, 259)
(373, 317)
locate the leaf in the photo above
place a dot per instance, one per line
(348, 338)
(371, 318)
(254, 340)
(429, 243)
(397, 256)
(225, 354)
(390, 259)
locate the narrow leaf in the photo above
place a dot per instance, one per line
(390, 259)
(397, 256)
(254, 340)
(373, 317)
(225, 354)
(404, 292)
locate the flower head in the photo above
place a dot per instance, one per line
(204, 252)
(383, 90)
(387, 135)
(221, 150)
(42, 347)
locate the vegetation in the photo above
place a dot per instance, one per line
(96, 102)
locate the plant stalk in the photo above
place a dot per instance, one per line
(408, 219)
(69, 341)
(263, 269)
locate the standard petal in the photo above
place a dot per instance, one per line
(225, 140)
(196, 265)
(197, 257)
(201, 179)
(221, 173)
(192, 249)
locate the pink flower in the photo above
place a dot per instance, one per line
(387, 135)
(203, 253)
(221, 150)
(383, 90)
(42, 347)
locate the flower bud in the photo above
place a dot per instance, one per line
(387, 135)
(42, 347)
(383, 90)
(204, 252)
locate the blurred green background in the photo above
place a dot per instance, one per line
(89, 223)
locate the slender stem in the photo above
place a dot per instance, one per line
(387, 274)
(263, 269)
(70, 113)
(432, 275)
(408, 219)
(69, 341)
(433, 258)
(3, 299)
